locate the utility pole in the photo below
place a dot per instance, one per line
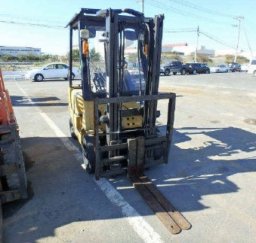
(142, 5)
(239, 19)
(197, 37)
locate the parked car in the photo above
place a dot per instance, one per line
(51, 71)
(234, 67)
(222, 68)
(252, 67)
(173, 67)
(244, 67)
(194, 68)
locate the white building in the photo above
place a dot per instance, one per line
(18, 51)
(203, 51)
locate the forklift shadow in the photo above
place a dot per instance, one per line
(202, 160)
(37, 101)
(60, 193)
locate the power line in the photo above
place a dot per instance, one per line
(216, 40)
(33, 24)
(166, 6)
(10, 17)
(182, 30)
(200, 8)
(248, 43)
(158, 4)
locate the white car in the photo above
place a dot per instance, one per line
(244, 67)
(252, 67)
(51, 71)
(222, 68)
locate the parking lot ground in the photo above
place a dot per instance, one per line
(209, 178)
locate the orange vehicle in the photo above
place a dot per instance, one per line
(13, 182)
(6, 110)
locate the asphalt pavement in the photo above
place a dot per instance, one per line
(209, 178)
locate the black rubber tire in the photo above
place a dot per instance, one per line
(166, 72)
(194, 72)
(207, 72)
(73, 77)
(71, 129)
(12, 153)
(183, 72)
(174, 73)
(38, 77)
(89, 154)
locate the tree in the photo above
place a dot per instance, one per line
(75, 55)
(171, 56)
(94, 56)
(240, 59)
(204, 59)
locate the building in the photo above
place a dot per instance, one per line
(203, 51)
(18, 51)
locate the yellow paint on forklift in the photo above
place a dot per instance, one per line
(82, 114)
(131, 122)
(130, 105)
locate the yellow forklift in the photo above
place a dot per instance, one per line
(113, 110)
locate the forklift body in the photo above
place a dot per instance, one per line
(113, 109)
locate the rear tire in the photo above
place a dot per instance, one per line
(174, 73)
(183, 72)
(10, 154)
(73, 77)
(38, 78)
(71, 129)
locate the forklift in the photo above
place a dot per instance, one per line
(113, 110)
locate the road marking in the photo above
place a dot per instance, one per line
(139, 225)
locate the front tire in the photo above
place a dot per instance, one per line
(167, 72)
(38, 77)
(89, 154)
